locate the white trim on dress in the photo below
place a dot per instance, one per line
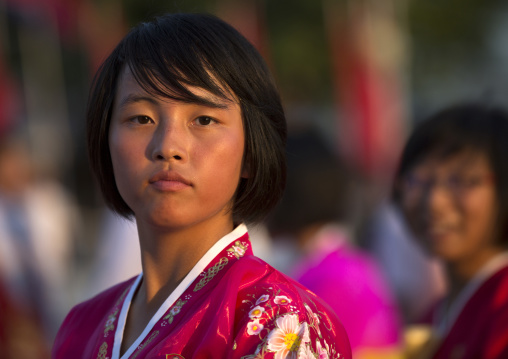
(220, 245)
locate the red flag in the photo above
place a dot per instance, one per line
(367, 55)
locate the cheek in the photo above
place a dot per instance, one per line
(224, 163)
(126, 157)
(480, 213)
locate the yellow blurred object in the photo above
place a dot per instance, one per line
(394, 352)
(420, 342)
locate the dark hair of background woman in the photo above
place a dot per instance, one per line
(471, 127)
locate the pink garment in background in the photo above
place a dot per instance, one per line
(350, 281)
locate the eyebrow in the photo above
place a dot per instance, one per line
(205, 101)
(136, 98)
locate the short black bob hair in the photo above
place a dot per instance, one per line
(472, 127)
(178, 50)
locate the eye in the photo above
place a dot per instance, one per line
(142, 120)
(204, 121)
(465, 182)
(457, 181)
(413, 181)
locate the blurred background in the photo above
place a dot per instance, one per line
(357, 73)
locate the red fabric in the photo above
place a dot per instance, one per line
(247, 308)
(481, 330)
(21, 335)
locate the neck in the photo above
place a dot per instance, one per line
(168, 255)
(460, 273)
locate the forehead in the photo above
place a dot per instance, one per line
(466, 160)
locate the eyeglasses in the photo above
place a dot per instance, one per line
(457, 184)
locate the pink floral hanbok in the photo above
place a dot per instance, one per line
(231, 305)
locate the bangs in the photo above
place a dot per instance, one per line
(167, 67)
(444, 150)
(447, 135)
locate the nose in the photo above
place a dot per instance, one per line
(436, 199)
(169, 142)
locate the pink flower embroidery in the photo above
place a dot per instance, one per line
(314, 319)
(110, 321)
(238, 249)
(282, 300)
(175, 310)
(322, 352)
(256, 312)
(285, 339)
(305, 352)
(262, 299)
(254, 327)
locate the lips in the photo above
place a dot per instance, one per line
(439, 230)
(169, 181)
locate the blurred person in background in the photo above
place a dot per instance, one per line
(417, 280)
(21, 335)
(452, 186)
(314, 213)
(116, 257)
(37, 224)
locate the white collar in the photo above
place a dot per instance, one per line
(220, 245)
(446, 319)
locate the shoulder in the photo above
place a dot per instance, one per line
(493, 291)
(493, 296)
(279, 316)
(86, 318)
(481, 325)
(102, 302)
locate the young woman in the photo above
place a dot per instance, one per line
(186, 134)
(452, 186)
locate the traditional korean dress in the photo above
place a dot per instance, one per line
(230, 305)
(476, 325)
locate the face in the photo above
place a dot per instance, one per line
(450, 204)
(175, 164)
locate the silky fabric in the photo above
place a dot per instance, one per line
(238, 307)
(350, 281)
(481, 328)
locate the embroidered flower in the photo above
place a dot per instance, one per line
(256, 312)
(305, 352)
(238, 249)
(254, 327)
(285, 339)
(282, 300)
(110, 321)
(322, 352)
(175, 310)
(314, 319)
(262, 299)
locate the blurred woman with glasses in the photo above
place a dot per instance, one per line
(452, 187)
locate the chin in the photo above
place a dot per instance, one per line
(169, 222)
(448, 255)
